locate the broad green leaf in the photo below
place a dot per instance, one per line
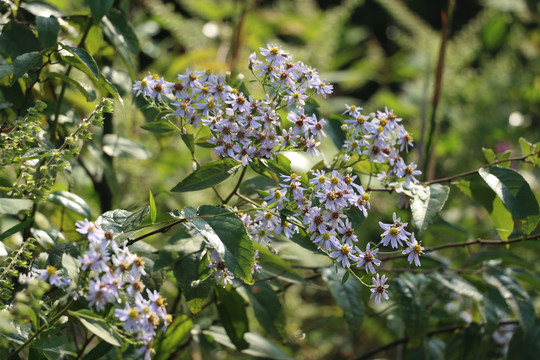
(526, 147)
(525, 314)
(268, 310)
(5, 70)
(458, 285)
(489, 154)
(71, 202)
(356, 217)
(259, 346)
(479, 191)
(347, 295)
(71, 266)
(98, 326)
(210, 174)
(99, 351)
(302, 239)
(83, 56)
(509, 286)
(15, 229)
(189, 140)
(121, 34)
(427, 202)
(99, 8)
(413, 311)
(23, 63)
(113, 220)
(525, 345)
(136, 218)
(259, 182)
(276, 266)
(17, 39)
(159, 127)
(56, 253)
(176, 335)
(232, 314)
(49, 342)
(515, 193)
(192, 275)
(234, 246)
(48, 30)
(466, 344)
(281, 165)
(14, 206)
(153, 211)
(118, 146)
(89, 94)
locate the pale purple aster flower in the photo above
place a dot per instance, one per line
(256, 266)
(311, 146)
(239, 102)
(347, 232)
(368, 259)
(223, 275)
(94, 231)
(344, 254)
(323, 88)
(410, 172)
(287, 228)
(394, 233)
(315, 126)
(50, 274)
(325, 240)
(276, 197)
(190, 79)
(274, 54)
(352, 110)
(414, 250)
(379, 289)
(130, 316)
(99, 294)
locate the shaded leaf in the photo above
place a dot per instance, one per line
(121, 34)
(118, 146)
(348, 295)
(23, 63)
(233, 317)
(176, 335)
(17, 39)
(525, 345)
(412, 311)
(515, 193)
(98, 326)
(89, 94)
(458, 285)
(99, 8)
(135, 219)
(427, 202)
(210, 174)
(71, 202)
(268, 309)
(466, 344)
(48, 30)
(85, 58)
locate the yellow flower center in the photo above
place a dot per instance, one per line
(334, 180)
(394, 231)
(133, 314)
(51, 270)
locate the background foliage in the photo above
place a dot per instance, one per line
(377, 53)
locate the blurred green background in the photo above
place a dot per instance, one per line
(376, 53)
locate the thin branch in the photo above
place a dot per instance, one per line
(472, 172)
(160, 230)
(430, 333)
(235, 190)
(470, 243)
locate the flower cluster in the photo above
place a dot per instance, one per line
(222, 274)
(115, 277)
(241, 127)
(380, 138)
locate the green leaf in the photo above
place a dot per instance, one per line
(210, 174)
(413, 311)
(427, 202)
(89, 94)
(525, 345)
(5, 70)
(112, 220)
(525, 314)
(526, 147)
(159, 127)
(121, 147)
(85, 58)
(281, 165)
(98, 326)
(232, 314)
(48, 30)
(229, 239)
(333, 128)
(259, 346)
(276, 266)
(177, 334)
(189, 140)
(14, 206)
(268, 310)
(121, 34)
(347, 295)
(17, 39)
(49, 342)
(15, 229)
(99, 8)
(477, 189)
(153, 211)
(71, 202)
(193, 277)
(515, 193)
(458, 285)
(489, 154)
(465, 344)
(71, 265)
(135, 219)
(23, 63)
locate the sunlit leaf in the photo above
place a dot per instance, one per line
(176, 335)
(14, 206)
(118, 146)
(515, 193)
(85, 58)
(98, 326)
(426, 203)
(71, 202)
(210, 174)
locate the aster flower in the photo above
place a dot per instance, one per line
(394, 233)
(414, 250)
(379, 289)
(91, 229)
(130, 316)
(223, 275)
(51, 275)
(326, 240)
(368, 259)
